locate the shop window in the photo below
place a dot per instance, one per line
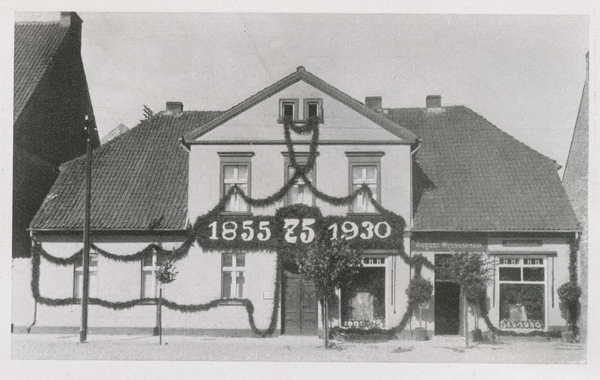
(78, 283)
(299, 193)
(313, 107)
(233, 268)
(288, 108)
(236, 171)
(522, 292)
(363, 303)
(149, 282)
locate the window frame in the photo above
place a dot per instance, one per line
(78, 271)
(235, 159)
(364, 159)
(301, 159)
(319, 103)
(520, 258)
(287, 101)
(152, 270)
(232, 269)
(521, 265)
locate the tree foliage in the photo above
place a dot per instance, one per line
(166, 271)
(473, 272)
(419, 290)
(330, 264)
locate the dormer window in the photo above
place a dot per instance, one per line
(313, 107)
(288, 108)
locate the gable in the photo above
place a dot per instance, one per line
(260, 122)
(312, 86)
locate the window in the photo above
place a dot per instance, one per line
(78, 283)
(149, 283)
(233, 267)
(364, 168)
(522, 292)
(363, 302)
(288, 108)
(313, 107)
(299, 192)
(236, 171)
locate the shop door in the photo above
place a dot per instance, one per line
(447, 299)
(447, 308)
(299, 309)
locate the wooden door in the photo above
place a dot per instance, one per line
(299, 309)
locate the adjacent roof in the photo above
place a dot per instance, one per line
(472, 176)
(298, 75)
(139, 181)
(36, 43)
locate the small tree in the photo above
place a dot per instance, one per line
(419, 291)
(473, 273)
(569, 294)
(164, 275)
(330, 264)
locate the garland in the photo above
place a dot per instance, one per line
(194, 233)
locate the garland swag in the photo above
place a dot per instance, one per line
(417, 262)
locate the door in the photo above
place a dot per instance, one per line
(299, 308)
(447, 308)
(447, 299)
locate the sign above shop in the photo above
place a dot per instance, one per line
(448, 245)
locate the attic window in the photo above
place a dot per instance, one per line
(288, 108)
(313, 107)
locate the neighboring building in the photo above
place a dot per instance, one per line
(455, 180)
(114, 133)
(51, 100)
(575, 181)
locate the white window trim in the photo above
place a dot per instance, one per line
(78, 272)
(521, 256)
(301, 159)
(151, 269)
(234, 270)
(318, 102)
(294, 102)
(236, 159)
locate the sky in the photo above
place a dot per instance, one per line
(523, 73)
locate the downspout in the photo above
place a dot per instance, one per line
(35, 299)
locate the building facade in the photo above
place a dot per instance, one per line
(51, 101)
(229, 194)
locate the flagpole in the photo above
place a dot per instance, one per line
(86, 234)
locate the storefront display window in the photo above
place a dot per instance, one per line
(522, 292)
(363, 304)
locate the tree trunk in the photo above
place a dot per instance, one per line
(160, 314)
(326, 323)
(466, 317)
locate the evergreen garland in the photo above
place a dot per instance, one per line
(194, 234)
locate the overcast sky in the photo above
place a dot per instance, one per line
(525, 74)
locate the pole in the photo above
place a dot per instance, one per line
(160, 314)
(86, 235)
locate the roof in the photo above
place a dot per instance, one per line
(472, 176)
(139, 182)
(298, 75)
(36, 43)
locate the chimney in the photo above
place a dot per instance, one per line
(434, 103)
(374, 103)
(174, 108)
(69, 18)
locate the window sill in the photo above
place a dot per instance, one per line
(236, 213)
(363, 214)
(231, 302)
